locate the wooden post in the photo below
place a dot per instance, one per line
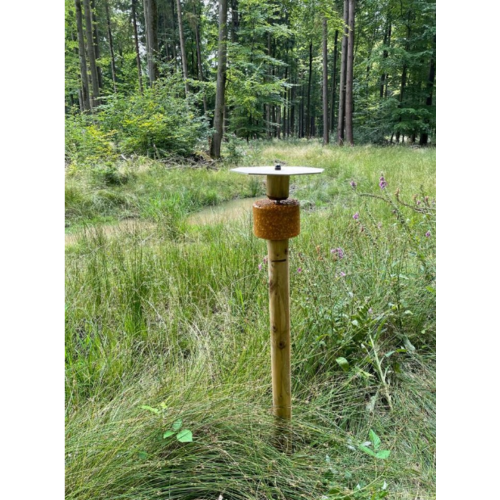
(279, 314)
(278, 188)
(276, 220)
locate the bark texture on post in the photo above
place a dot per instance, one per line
(279, 312)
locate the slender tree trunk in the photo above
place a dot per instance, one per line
(278, 121)
(111, 50)
(215, 146)
(85, 101)
(136, 41)
(269, 129)
(286, 102)
(174, 31)
(349, 77)
(91, 53)
(95, 37)
(385, 55)
(235, 21)
(308, 121)
(326, 135)
(200, 66)
(424, 136)
(401, 96)
(343, 68)
(404, 74)
(334, 82)
(183, 48)
(151, 18)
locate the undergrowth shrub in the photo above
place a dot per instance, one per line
(159, 122)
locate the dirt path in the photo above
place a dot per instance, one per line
(230, 210)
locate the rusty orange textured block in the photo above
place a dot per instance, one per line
(276, 220)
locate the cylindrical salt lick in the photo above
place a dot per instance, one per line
(276, 221)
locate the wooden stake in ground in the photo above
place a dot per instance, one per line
(279, 316)
(276, 220)
(279, 308)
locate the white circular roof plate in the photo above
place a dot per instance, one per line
(272, 171)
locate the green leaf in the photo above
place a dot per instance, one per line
(367, 450)
(177, 425)
(185, 436)
(374, 439)
(149, 408)
(383, 454)
(343, 363)
(168, 434)
(142, 455)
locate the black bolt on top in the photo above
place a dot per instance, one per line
(277, 167)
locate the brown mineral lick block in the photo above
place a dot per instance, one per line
(276, 220)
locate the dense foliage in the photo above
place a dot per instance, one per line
(274, 74)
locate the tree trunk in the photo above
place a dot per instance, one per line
(85, 101)
(349, 76)
(334, 82)
(151, 18)
(110, 40)
(404, 74)
(91, 53)
(326, 135)
(278, 121)
(183, 48)
(269, 129)
(343, 68)
(302, 112)
(174, 29)
(385, 55)
(308, 121)
(95, 37)
(424, 137)
(235, 22)
(215, 146)
(200, 66)
(136, 40)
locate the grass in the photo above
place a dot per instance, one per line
(174, 317)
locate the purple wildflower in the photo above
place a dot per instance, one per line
(353, 184)
(382, 183)
(299, 270)
(260, 267)
(341, 274)
(265, 260)
(428, 234)
(338, 252)
(370, 311)
(356, 216)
